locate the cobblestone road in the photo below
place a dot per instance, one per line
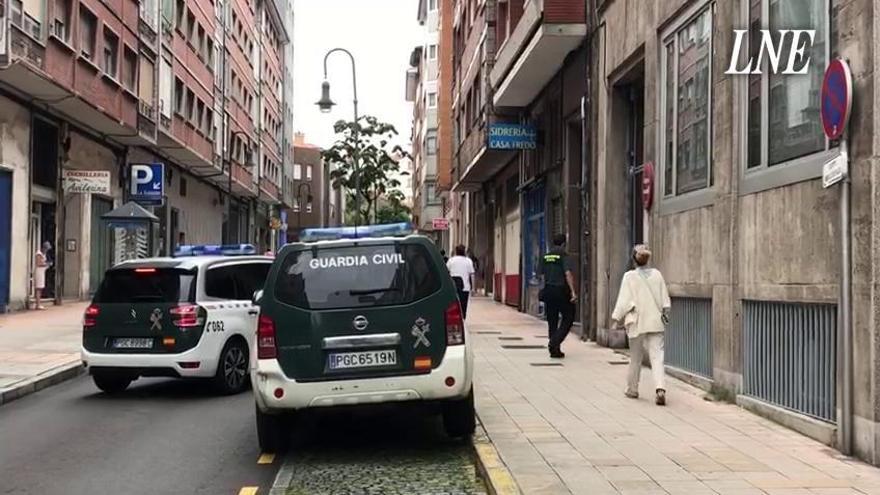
(365, 454)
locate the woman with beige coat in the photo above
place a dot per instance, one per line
(643, 308)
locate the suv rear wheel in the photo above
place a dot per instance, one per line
(111, 383)
(232, 368)
(459, 418)
(271, 433)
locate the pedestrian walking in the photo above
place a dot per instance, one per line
(462, 270)
(558, 294)
(49, 288)
(643, 308)
(41, 264)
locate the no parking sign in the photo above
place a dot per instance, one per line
(836, 98)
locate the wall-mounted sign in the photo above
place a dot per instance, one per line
(648, 185)
(836, 97)
(440, 223)
(147, 183)
(86, 181)
(512, 137)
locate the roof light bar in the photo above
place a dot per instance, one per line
(365, 232)
(215, 250)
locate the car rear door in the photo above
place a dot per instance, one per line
(146, 309)
(359, 310)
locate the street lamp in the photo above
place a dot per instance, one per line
(326, 105)
(247, 159)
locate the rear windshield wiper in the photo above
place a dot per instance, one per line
(365, 292)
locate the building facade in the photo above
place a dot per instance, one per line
(422, 91)
(97, 86)
(311, 190)
(740, 225)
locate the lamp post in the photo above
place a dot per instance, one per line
(326, 105)
(247, 158)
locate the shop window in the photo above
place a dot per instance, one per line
(784, 127)
(687, 109)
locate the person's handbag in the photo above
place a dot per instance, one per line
(663, 316)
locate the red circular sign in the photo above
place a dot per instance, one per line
(648, 185)
(836, 98)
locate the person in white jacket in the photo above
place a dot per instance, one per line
(643, 308)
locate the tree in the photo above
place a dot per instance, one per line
(392, 209)
(377, 164)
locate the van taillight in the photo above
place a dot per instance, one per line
(90, 318)
(266, 338)
(187, 316)
(454, 325)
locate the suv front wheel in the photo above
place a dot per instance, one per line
(271, 433)
(459, 418)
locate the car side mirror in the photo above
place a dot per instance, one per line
(258, 297)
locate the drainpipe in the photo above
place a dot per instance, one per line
(845, 339)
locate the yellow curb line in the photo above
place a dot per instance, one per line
(248, 490)
(266, 459)
(495, 473)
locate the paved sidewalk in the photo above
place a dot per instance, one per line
(37, 348)
(569, 428)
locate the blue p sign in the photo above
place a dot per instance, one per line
(147, 182)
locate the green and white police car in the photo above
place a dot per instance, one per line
(190, 316)
(369, 318)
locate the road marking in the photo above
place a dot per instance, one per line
(248, 490)
(266, 459)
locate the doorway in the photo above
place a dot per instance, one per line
(102, 243)
(5, 237)
(634, 161)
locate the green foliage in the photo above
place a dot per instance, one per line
(364, 148)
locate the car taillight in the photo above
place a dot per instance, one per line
(90, 318)
(266, 338)
(454, 325)
(187, 316)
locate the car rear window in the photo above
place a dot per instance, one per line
(160, 285)
(357, 276)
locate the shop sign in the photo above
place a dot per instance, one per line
(512, 137)
(440, 224)
(86, 181)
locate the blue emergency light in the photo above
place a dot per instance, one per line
(365, 232)
(215, 250)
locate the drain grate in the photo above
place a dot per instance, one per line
(522, 346)
(544, 365)
(487, 332)
(510, 338)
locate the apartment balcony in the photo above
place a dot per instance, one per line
(545, 34)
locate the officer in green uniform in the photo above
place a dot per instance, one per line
(559, 294)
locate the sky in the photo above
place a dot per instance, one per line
(381, 35)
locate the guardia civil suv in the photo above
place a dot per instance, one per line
(369, 318)
(190, 316)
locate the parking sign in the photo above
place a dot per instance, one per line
(147, 183)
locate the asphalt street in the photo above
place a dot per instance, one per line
(159, 437)
(176, 437)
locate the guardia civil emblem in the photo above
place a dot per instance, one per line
(420, 331)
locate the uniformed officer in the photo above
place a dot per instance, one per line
(558, 294)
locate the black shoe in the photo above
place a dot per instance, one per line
(557, 354)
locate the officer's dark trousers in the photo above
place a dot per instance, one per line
(463, 297)
(557, 301)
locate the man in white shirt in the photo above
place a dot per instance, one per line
(462, 270)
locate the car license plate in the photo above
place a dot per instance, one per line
(364, 359)
(133, 343)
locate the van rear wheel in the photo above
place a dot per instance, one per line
(459, 418)
(111, 383)
(271, 433)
